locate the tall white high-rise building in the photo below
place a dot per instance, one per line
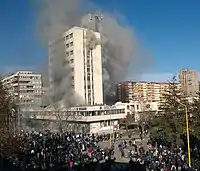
(77, 54)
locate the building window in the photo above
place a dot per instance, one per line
(67, 53)
(67, 45)
(89, 87)
(71, 35)
(67, 37)
(71, 44)
(71, 52)
(148, 106)
(72, 69)
(71, 61)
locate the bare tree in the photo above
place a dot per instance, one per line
(8, 121)
(31, 123)
(146, 117)
(62, 117)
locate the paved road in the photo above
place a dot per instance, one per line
(106, 144)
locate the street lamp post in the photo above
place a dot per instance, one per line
(110, 132)
(187, 132)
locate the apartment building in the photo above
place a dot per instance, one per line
(141, 91)
(81, 63)
(189, 82)
(25, 87)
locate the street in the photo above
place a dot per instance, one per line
(106, 144)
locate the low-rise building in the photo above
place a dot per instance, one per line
(90, 119)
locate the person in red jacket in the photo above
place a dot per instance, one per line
(90, 151)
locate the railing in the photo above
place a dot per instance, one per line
(77, 118)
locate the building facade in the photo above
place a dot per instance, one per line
(189, 81)
(81, 53)
(141, 91)
(25, 87)
(89, 119)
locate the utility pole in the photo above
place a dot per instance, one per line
(18, 105)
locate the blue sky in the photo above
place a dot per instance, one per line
(168, 29)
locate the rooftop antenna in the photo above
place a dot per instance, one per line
(97, 19)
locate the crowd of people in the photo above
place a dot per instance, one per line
(70, 151)
(156, 156)
(67, 150)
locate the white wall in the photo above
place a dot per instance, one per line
(98, 128)
(79, 63)
(97, 66)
